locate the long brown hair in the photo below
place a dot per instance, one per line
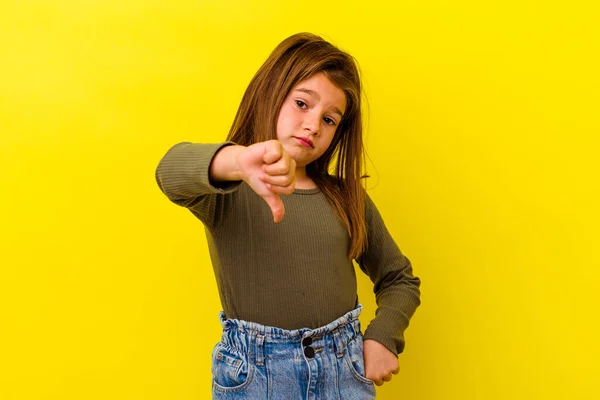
(295, 59)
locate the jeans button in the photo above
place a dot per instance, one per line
(307, 341)
(309, 352)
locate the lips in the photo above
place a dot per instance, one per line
(304, 141)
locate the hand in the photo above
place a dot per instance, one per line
(380, 363)
(270, 171)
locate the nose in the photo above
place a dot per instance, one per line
(311, 123)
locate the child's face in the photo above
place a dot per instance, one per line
(309, 117)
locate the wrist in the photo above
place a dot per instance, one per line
(236, 170)
(225, 164)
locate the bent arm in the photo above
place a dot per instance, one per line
(184, 176)
(397, 290)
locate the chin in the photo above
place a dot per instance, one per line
(301, 162)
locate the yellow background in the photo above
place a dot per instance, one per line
(484, 139)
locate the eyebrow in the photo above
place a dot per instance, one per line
(316, 95)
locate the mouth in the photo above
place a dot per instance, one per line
(306, 142)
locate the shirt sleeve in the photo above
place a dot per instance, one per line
(397, 290)
(183, 176)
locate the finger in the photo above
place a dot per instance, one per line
(273, 152)
(276, 206)
(279, 167)
(282, 166)
(277, 180)
(387, 377)
(395, 372)
(281, 189)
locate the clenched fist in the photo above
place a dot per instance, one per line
(270, 171)
(380, 363)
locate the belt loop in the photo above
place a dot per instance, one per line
(339, 343)
(260, 352)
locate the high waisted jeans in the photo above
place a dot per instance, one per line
(254, 361)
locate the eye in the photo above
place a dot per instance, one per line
(329, 121)
(300, 103)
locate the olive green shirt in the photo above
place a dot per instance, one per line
(295, 273)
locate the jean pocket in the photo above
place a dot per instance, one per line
(355, 360)
(231, 368)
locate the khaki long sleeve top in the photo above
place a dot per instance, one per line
(296, 273)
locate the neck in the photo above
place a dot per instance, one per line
(303, 181)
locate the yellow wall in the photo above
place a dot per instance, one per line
(484, 138)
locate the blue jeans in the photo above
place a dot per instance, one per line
(254, 361)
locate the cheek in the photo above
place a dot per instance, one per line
(329, 135)
(281, 123)
(285, 121)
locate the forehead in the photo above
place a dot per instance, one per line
(323, 90)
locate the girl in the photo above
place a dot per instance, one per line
(287, 284)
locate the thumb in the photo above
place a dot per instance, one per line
(276, 205)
